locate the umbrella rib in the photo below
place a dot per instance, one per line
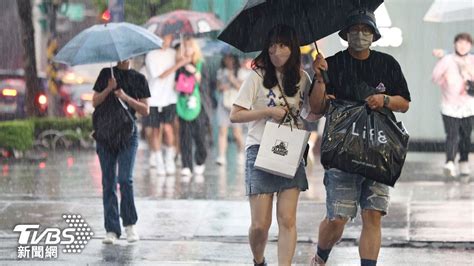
(113, 43)
(74, 57)
(115, 46)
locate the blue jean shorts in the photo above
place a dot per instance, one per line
(345, 191)
(261, 182)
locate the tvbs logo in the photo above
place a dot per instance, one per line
(29, 234)
(33, 242)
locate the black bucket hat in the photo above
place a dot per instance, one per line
(360, 16)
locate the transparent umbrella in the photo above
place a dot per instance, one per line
(110, 42)
(450, 10)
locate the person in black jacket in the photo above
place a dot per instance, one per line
(131, 88)
(355, 74)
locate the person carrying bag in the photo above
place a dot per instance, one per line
(117, 97)
(191, 112)
(282, 147)
(362, 141)
(357, 74)
(260, 100)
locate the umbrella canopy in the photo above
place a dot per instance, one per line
(450, 10)
(185, 22)
(110, 42)
(312, 19)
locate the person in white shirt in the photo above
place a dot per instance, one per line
(161, 66)
(259, 100)
(229, 80)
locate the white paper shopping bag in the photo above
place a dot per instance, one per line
(281, 149)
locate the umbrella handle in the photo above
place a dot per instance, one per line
(325, 76)
(111, 71)
(324, 73)
(120, 100)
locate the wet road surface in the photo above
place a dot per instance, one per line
(196, 220)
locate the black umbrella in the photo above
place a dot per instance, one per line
(312, 19)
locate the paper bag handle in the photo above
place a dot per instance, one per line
(288, 113)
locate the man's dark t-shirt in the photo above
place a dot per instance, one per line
(355, 80)
(133, 84)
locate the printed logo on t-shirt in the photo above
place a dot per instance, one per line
(271, 98)
(380, 88)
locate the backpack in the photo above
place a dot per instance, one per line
(113, 124)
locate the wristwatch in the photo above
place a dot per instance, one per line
(386, 100)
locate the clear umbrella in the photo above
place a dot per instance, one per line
(110, 42)
(450, 10)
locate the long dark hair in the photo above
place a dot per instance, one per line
(235, 62)
(285, 35)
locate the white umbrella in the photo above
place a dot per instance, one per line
(450, 10)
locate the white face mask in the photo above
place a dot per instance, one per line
(359, 41)
(279, 55)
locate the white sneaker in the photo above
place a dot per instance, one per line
(186, 172)
(170, 165)
(185, 178)
(464, 168)
(110, 238)
(152, 159)
(160, 164)
(132, 235)
(449, 169)
(199, 179)
(199, 169)
(221, 160)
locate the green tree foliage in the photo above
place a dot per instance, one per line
(139, 11)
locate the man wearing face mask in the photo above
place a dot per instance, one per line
(356, 74)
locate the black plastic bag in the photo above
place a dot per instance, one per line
(361, 141)
(113, 124)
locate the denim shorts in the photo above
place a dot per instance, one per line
(345, 191)
(261, 182)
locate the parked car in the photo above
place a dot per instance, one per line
(79, 99)
(13, 95)
(78, 86)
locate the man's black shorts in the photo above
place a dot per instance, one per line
(155, 118)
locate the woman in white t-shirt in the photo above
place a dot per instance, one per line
(259, 100)
(229, 79)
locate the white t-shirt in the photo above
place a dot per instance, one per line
(254, 96)
(162, 90)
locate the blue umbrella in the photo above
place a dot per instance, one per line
(110, 42)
